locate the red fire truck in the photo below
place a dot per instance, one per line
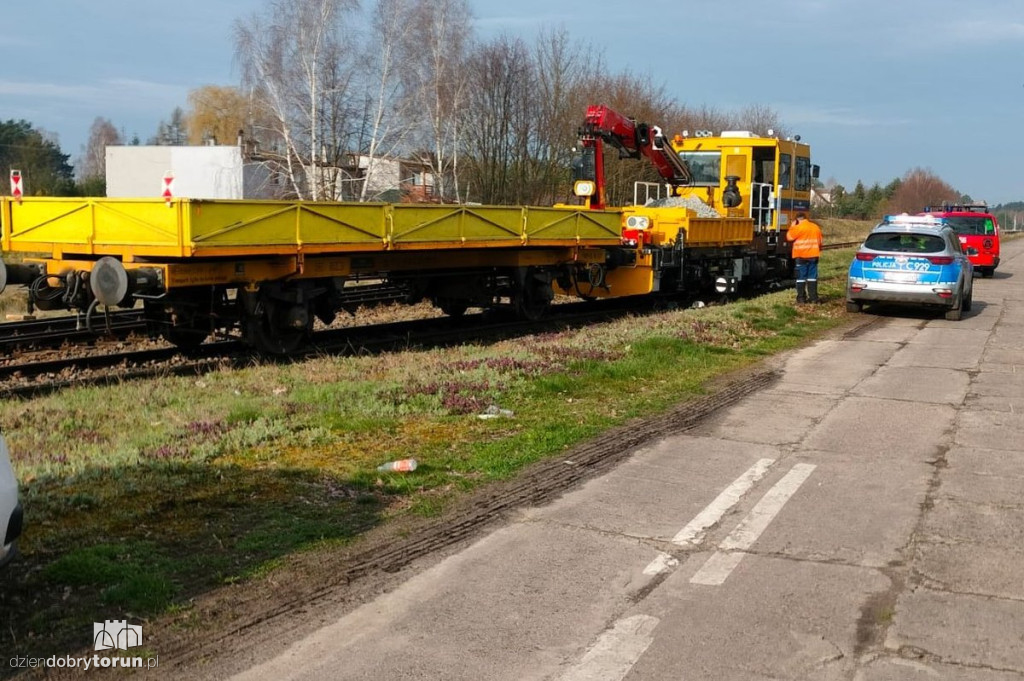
(978, 230)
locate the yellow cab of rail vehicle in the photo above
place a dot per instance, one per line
(718, 220)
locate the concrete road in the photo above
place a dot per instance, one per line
(862, 519)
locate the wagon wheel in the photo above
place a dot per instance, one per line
(184, 326)
(265, 330)
(185, 338)
(453, 307)
(533, 301)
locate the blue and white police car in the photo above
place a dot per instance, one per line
(911, 260)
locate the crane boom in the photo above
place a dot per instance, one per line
(633, 140)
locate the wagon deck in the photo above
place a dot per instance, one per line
(190, 228)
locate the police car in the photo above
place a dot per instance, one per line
(10, 509)
(912, 260)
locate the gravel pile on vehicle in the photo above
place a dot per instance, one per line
(702, 209)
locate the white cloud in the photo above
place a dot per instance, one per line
(497, 23)
(48, 90)
(940, 35)
(984, 31)
(117, 91)
(800, 114)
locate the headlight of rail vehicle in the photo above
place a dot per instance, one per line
(584, 188)
(638, 222)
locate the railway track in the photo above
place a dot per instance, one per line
(52, 332)
(49, 332)
(840, 246)
(50, 374)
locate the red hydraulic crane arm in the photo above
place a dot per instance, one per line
(632, 139)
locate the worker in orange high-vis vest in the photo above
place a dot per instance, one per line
(806, 238)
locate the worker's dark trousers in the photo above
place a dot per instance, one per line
(806, 280)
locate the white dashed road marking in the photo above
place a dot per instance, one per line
(717, 569)
(615, 651)
(663, 563)
(693, 533)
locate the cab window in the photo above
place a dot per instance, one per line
(706, 167)
(785, 167)
(971, 225)
(802, 174)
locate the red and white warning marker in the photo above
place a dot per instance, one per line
(168, 192)
(16, 187)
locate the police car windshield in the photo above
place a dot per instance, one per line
(975, 225)
(905, 242)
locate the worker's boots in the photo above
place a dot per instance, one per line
(812, 291)
(801, 292)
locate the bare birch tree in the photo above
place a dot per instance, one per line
(759, 119)
(920, 187)
(387, 105)
(497, 114)
(441, 30)
(565, 71)
(102, 133)
(298, 61)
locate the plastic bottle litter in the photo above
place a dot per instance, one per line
(400, 466)
(494, 412)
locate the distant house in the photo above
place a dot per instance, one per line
(821, 198)
(393, 179)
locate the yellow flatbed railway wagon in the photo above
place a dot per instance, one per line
(271, 267)
(189, 228)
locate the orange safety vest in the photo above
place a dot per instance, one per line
(806, 238)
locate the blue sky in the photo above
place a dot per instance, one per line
(877, 87)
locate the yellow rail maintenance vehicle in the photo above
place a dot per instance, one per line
(718, 221)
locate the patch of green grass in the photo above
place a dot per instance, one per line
(133, 576)
(556, 384)
(244, 413)
(844, 230)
